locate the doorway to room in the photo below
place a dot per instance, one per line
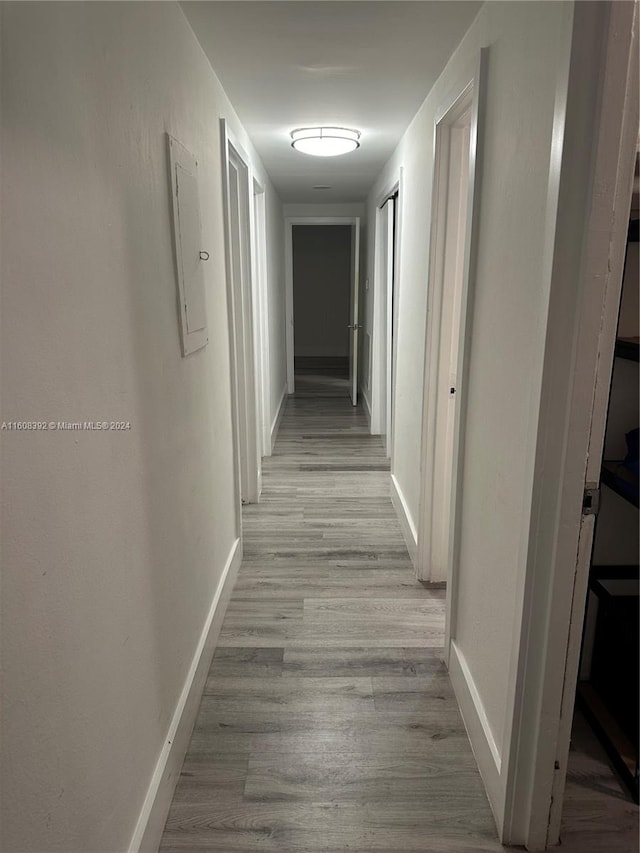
(449, 308)
(238, 201)
(387, 241)
(321, 299)
(322, 281)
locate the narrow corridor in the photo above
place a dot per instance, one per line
(328, 721)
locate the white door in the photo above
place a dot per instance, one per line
(237, 209)
(388, 225)
(354, 326)
(584, 305)
(449, 274)
(243, 323)
(600, 318)
(449, 366)
(261, 318)
(384, 231)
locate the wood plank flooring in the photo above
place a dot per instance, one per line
(598, 814)
(328, 722)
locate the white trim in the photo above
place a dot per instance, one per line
(288, 306)
(366, 405)
(244, 403)
(436, 559)
(476, 722)
(275, 424)
(380, 326)
(153, 814)
(395, 335)
(391, 256)
(404, 516)
(354, 315)
(470, 691)
(377, 333)
(261, 312)
(233, 369)
(589, 194)
(289, 222)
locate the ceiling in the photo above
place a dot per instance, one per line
(364, 65)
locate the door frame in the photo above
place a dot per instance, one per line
(242, 344)
(289, 222)
(384, 345)
(586, 258)
(261, 315)
(469, 95)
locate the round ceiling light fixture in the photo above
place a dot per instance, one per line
(325, 141)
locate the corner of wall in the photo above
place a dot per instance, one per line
(275, 424)
(481, 737)
(407, 523)
(366, 406)
(153, 815)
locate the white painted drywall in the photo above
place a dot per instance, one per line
(321, 290)
(528, 48)
(276, 300)
(326, 209)
(113, 542)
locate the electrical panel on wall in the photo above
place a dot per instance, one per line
(188, 251)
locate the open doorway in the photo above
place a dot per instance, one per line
(608, 681)
(602, 763)
(387, 230)
(261, 317)
(449, 299)
(322, 256)
(594, 199)
(238, 198)
(321, 299)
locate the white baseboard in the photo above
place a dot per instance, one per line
(276, 421)
(406, 521)
(476, 722)
(152, 818)
(366, 405)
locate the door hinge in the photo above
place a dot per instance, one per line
(591, 501)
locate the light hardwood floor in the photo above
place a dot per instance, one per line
(598, 814)
(328, 722)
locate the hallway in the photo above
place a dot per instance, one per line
(156, 160)
(328, 721)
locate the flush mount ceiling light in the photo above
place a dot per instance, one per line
(325, 141)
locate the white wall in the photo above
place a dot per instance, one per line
(326, 209)
(277, 311)
(113, 542)
(321, 290)
(529, 44)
